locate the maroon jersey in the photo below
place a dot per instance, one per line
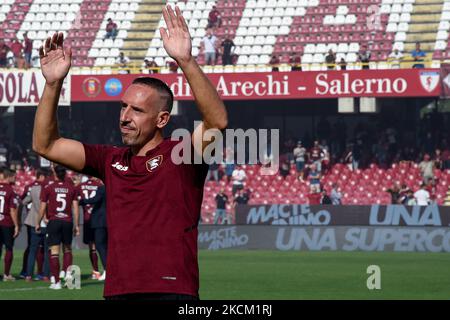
(87, 190)
(316, 153)
(59, 197)
(153, 208)
(8, 200)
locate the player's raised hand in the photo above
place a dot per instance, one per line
(176, 38)
(55, 59)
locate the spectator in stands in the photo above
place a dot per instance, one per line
(314, 196)
(27, 49)
(300, 157)
(296, 63)
(242, 197)
(431, 188)
(213, 171)
(364, 57)
(4, 49)
(227, 50)
(122, 61)
(274, 62)
(335, 195)
(395, 58)
(343, 64)
(209, 44)
(111, 29)
(172, 65)
(394, 191)
(238, 178)
(214, 18)
(356, 154)
(418, 56)
(285, 166)
(409, 199)
(426, 167)
(17, 50)
(221, 203)
(325, 198)
(151, 65)
(422, 196)
(314, 178)
(438, 163)
(229, 163)
(330, 60)
(316, 155)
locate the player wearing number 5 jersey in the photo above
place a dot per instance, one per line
(59, 199)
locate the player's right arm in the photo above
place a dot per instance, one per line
(55, 64)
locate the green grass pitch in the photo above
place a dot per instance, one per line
(281, 275)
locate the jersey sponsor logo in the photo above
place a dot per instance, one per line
(154, 163)
(120, 167)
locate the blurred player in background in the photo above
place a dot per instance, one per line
(9, 224)
(153, 203)
(97, 223)
(86, 190)
(59, 199)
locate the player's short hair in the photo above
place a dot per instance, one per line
(160, 86)
(60, 172)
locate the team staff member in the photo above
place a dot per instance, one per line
(153, 204)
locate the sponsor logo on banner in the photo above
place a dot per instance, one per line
(315, 239)
(113, 87)
(285, 214)
(25, 87)
(323, 215)
(91, 87)
(395, 215)
(223, 238)
(429, 80)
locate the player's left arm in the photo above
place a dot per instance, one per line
(76, 218)
(177, 42)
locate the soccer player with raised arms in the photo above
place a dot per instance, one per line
(153, 204)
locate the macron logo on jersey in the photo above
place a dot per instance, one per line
(120, 167)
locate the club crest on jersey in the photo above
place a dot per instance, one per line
(154, 163)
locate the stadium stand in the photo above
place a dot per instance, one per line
(359, 187)
(259, 28)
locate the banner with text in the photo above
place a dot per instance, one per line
(277, 85)
(25, 87)
(328, 215)
(338, 238)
